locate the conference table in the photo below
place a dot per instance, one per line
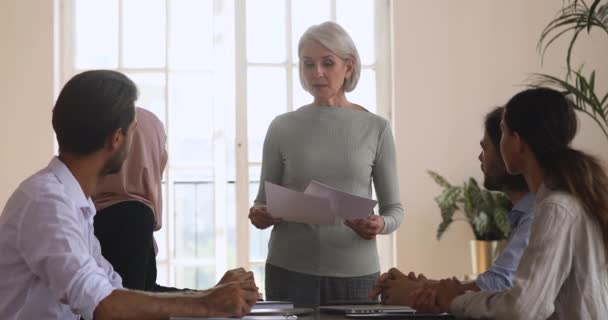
(318, 315)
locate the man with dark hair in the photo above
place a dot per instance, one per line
(496, 177)
(396, 287)
(51, 263)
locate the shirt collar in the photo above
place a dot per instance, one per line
(523, 207)
(72, 187)
(542, 192)
(525, 204)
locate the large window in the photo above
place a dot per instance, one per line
(216, 72)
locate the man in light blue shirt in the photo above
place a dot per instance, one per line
(51, 265)
(496, 178)
(395, 287)
(500, 274)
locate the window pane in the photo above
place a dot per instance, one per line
(185, 216)
(357, 17)
(228, 130)
(266, 31)
(365, 93)
(231, 224)
(305, 13)
(151, 88)
(160, 236)
(205, 221)
(258, 243)
(254, 177)
(300, 96)
(231, 156)
(161, 275)
(96, 34)
(192, 175)
(224, 80)
(194, 221)
(191, 34)
(191, 119)
(143, 34)
(266, 98)
(260, 279)
(195, 277)
(254, 182)
(258, 239)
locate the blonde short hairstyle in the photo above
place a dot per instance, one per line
(333, 37)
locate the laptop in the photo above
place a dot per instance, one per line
(367, 309)
(273, 305)
(409, 316)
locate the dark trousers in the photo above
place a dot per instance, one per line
(307, 290)
(125, 232)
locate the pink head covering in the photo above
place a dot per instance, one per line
(140, 177)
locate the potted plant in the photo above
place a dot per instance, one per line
(574, 18)
(485, 211)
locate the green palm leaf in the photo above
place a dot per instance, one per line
(443, 226)
(447, 202)
(576, 16)
(441, 181)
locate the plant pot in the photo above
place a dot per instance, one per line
(483, 254)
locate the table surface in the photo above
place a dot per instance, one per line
(329, 316)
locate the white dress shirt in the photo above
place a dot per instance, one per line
(562, 274)
(51, 265)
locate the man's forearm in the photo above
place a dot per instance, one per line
(464, 285)
(127, 304)
(469, 286)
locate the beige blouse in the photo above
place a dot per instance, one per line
(561, 275)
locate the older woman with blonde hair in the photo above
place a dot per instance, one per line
(338, 143)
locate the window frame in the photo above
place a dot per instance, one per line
(384, 101)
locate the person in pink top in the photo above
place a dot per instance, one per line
(129, 209)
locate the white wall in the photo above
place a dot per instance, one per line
(26, 90)
(454, 61)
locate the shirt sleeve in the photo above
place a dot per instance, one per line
(55, 248)
(543, 269)
(272, 161)
(500, 275)
(386, 182)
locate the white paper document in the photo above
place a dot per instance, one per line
(343, 204)
(297, 206)
(318, 204)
